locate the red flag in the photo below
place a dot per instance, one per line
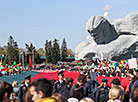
(30, 59)
(106, 65)
(101, 65)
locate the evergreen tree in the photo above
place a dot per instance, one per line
(16, 52)
(48, 51)
(12, 51)
(55, 52)
(64, 50)
(37, 58)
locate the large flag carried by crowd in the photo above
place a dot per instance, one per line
(102, 63)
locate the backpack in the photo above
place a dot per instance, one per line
(102, 95)
(91, 89)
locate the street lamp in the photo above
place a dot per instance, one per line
(33, 57)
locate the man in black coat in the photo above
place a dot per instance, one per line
(90, 87)
(65, 90)
(77, 90)
(60, 83)
(23, 88)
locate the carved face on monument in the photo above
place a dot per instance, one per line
(98, 35)
(100, 29)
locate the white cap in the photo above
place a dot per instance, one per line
(73, 100)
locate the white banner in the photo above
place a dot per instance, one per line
(132, 63)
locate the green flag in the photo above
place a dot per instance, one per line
(14, 63)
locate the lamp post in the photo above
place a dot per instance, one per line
(33, 57)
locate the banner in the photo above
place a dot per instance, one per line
(30, 59)
(132, 63)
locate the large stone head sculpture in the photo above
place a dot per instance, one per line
(101, 30)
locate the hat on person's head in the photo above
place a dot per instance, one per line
(61, 73)
(28, 77)
(72, 100)
(113, 74)
(104, 80)
(116, 81)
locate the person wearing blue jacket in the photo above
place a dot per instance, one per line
(90, 87)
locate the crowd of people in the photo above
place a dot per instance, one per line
(88, 88)
(13, 69)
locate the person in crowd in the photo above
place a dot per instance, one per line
(49, 99)
(135, 95)
(90, 87)
(59, 97)
(13, 98)
(22, 83)
(115, 82)
(93, 74)
(53, 82)
(28, 96)
(102, 91)
(15, 87)
(65, 91)
(116, 94)
(135, 85)
(60, 83)
(5, 91)
(72, 100)
(130, 73)
(86, 99)
(40, 89)
(23, 88)
(132, 80)
(128, 89)
(77, 90)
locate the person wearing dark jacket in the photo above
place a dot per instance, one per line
(60, 83)
(65, 90)
(77, 90)
(23, 88)
(102, 92)
(90, 87)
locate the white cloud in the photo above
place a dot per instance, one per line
(107, 8)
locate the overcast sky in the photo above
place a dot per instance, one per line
(39, 20)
